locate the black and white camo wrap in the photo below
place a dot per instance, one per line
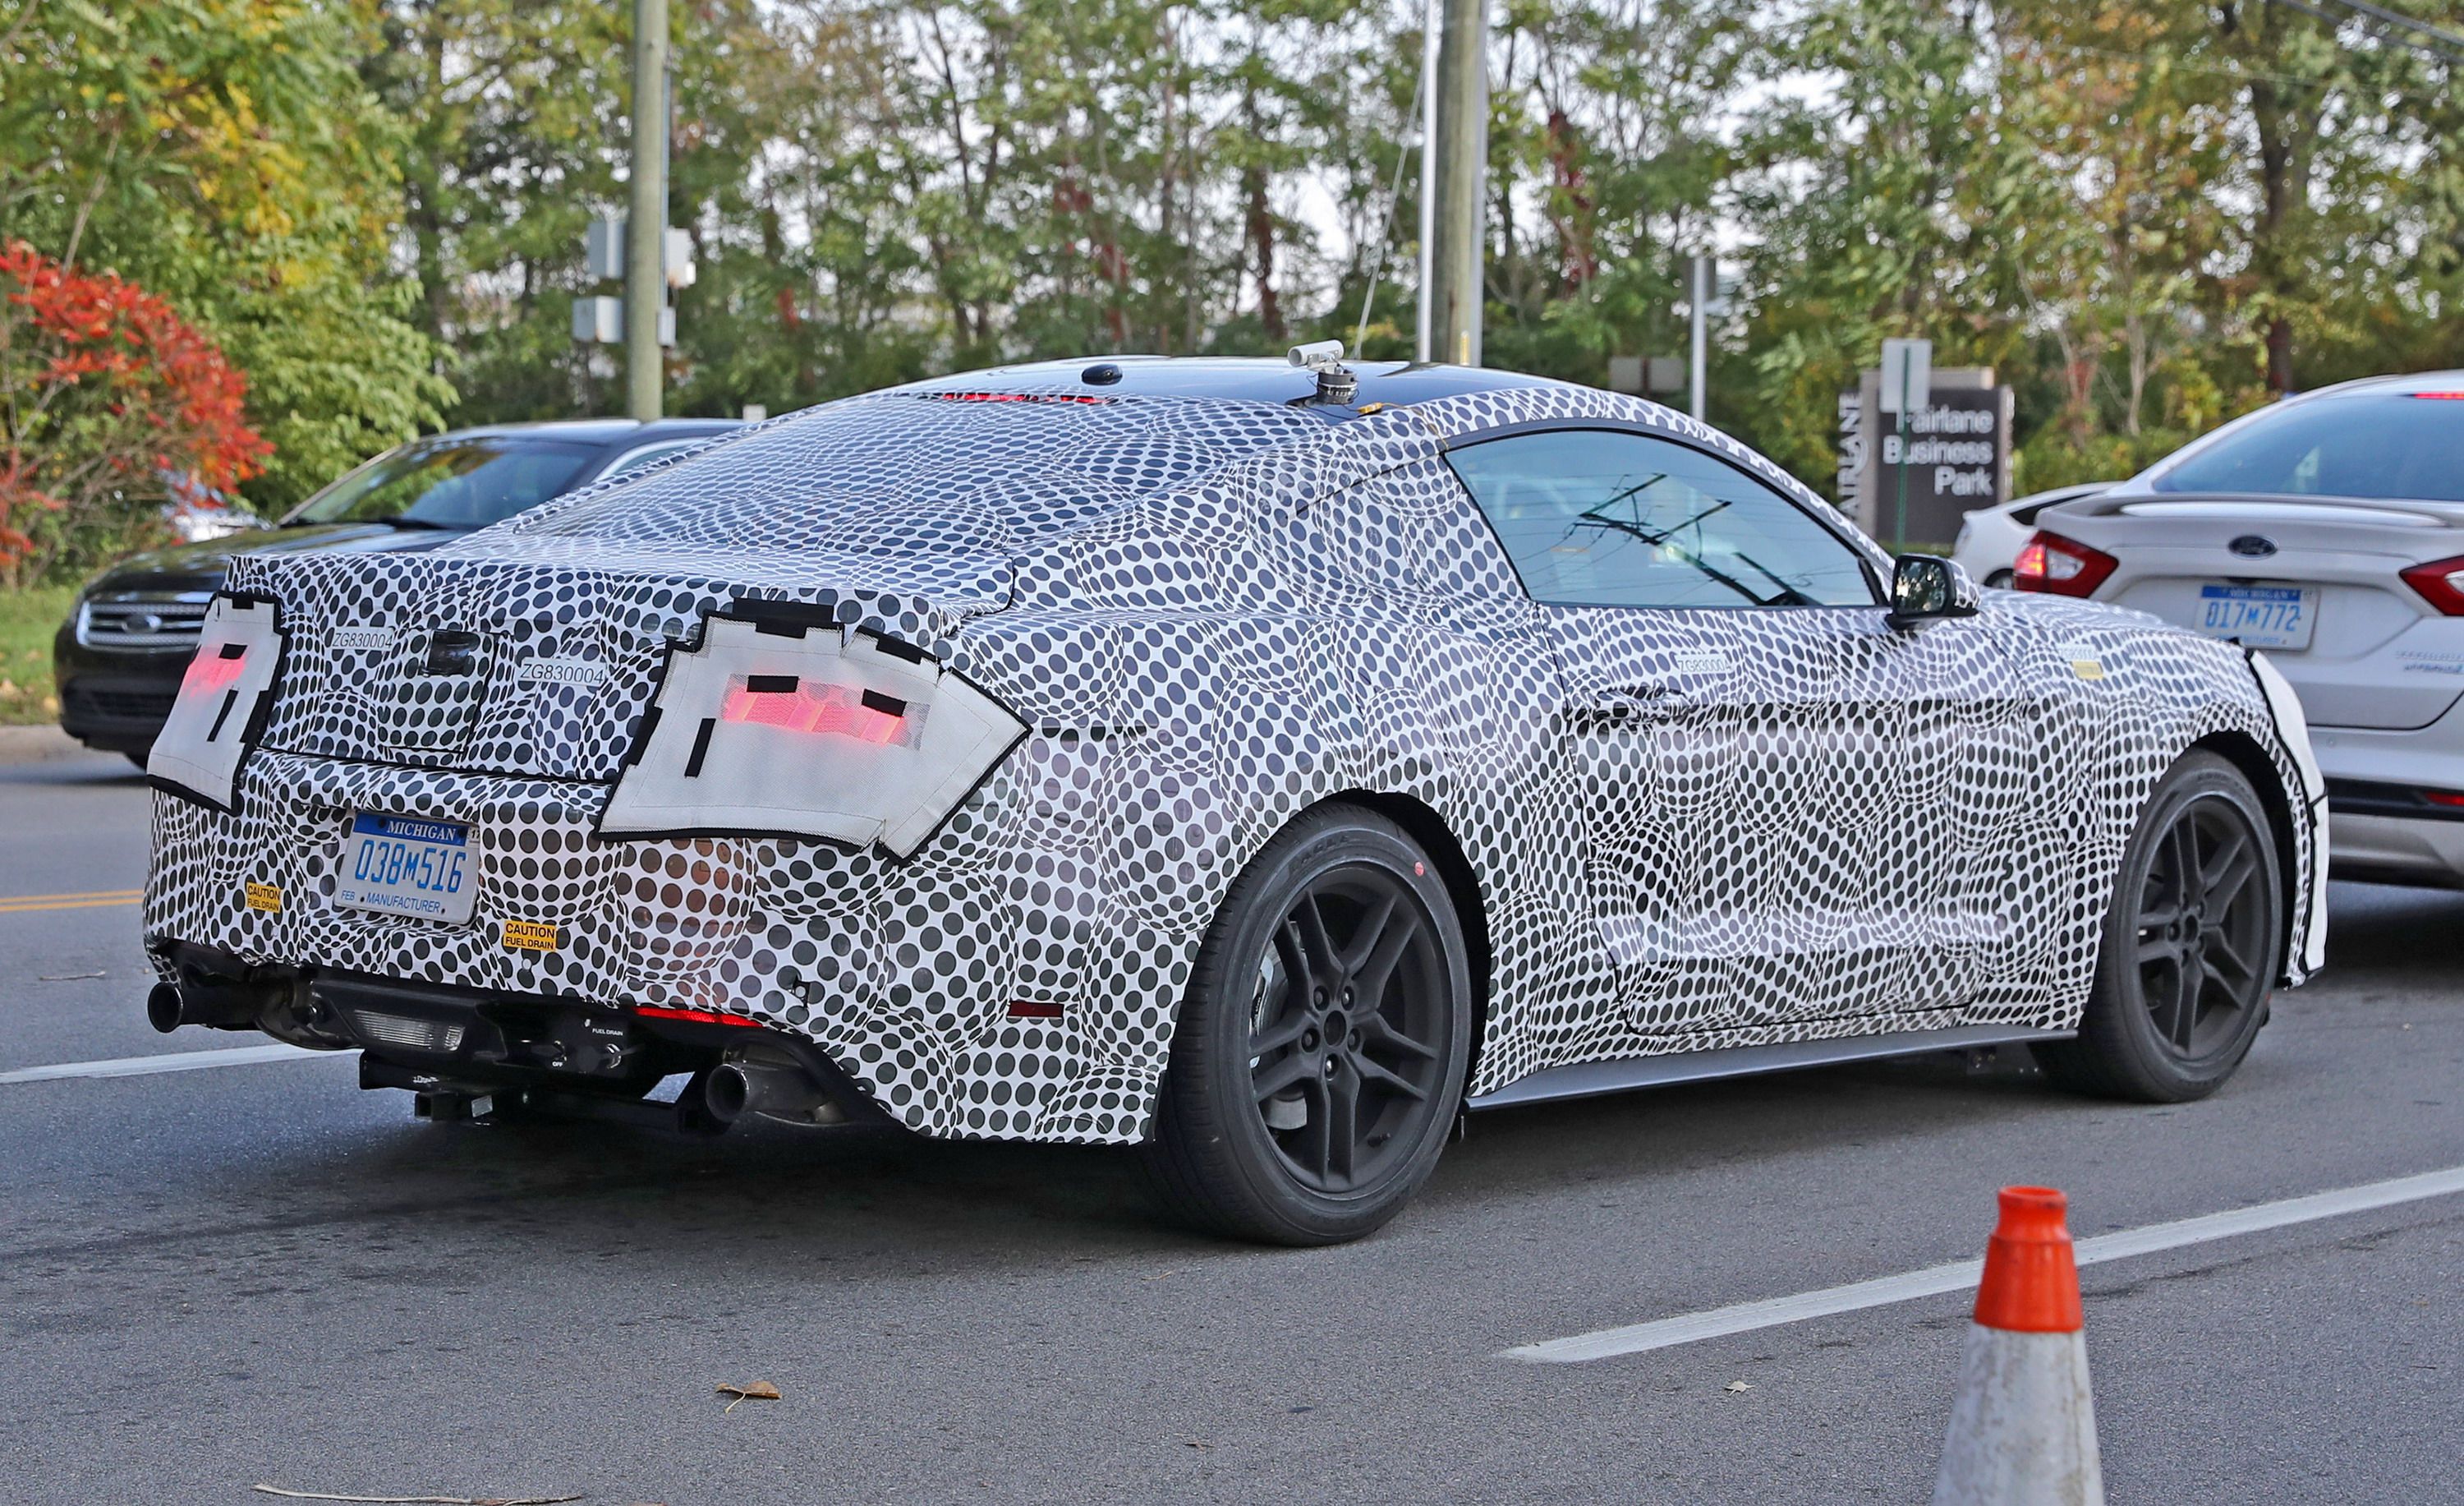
(1211, 614)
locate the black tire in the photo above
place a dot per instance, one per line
(2182, 979)
(2001, 580)
(1384, 964)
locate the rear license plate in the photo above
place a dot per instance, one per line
(2261, 616)
(407, 865)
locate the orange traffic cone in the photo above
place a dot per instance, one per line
(2023, 1427)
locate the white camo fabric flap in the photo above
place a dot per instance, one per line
(200, 747)
(821, 734)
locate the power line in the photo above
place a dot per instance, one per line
(2446, 49)
(2453, 43)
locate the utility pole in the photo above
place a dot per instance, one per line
(645, 293)
(1700, 361)
(1432, 22)
(1456, 281)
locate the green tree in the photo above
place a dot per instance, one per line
(224, 154)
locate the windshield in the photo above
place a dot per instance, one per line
(466, 481)
(2388, 445)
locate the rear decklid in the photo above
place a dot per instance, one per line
(2377, 654)
(544, 666)
(532, 647)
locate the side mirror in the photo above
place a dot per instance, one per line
(1926, 587)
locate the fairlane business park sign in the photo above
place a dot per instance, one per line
(1956, 455)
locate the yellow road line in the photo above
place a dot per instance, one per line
(19, 905)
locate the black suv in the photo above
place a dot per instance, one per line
(119, 658)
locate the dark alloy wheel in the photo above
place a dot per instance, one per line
(2191, 949)
(1319, 1059)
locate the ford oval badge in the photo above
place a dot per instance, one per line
(2251, 546)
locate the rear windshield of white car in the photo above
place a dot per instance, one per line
(2393, 446)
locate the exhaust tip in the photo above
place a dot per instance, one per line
(162, 1007)
(727, 1093)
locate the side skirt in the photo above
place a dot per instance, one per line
(1588, 1080)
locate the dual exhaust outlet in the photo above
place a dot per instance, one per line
(780, 1090)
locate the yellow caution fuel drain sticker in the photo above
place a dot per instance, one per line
(532, 936)
(267, 898)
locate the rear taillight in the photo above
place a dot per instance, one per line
(2062, 567)
(223, 698)
(799, 705)
(782, 725)
(2441, 584)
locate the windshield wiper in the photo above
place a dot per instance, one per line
(408, 522)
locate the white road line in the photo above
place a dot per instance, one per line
(168, 1061)
(1961, 1274)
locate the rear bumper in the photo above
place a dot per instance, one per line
(435, 1037)
(2383, 829)
(2382, 834)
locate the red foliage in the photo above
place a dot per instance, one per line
(104, 391)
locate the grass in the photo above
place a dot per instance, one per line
(28, 619)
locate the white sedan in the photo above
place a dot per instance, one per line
(2328, 531)
(1990, 538)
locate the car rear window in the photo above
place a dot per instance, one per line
(449, 482)
(901, 472)
(2390, 446)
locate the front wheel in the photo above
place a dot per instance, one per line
(2190, 946)
(1320, 1055)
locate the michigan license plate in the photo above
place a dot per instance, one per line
(407, 865)
(2259, 616)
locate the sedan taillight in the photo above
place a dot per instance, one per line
(2062, 566)
(2441, 584)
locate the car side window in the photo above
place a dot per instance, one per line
(1605, 517)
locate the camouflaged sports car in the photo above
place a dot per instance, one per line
(1262, 764)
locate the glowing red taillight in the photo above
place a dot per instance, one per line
(2443, 797)
(806, 705)
(2062, 567)
(2440, 583)
(214, 669)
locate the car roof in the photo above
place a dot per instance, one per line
(599, 431)
(1383, 383)
(2400, 382)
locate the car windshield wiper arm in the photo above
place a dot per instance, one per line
(1660, 538)
(407, 521)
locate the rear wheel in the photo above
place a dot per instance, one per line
(2190, 950)
(1319, 1059)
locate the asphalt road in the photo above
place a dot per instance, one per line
(259, 1272)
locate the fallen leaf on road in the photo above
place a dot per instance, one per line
(420, 1500)
(66, 976)
(1737, 1385)
(751, 1390)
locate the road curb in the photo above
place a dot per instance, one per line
(39, 745)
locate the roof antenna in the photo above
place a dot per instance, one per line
(1335, 381)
